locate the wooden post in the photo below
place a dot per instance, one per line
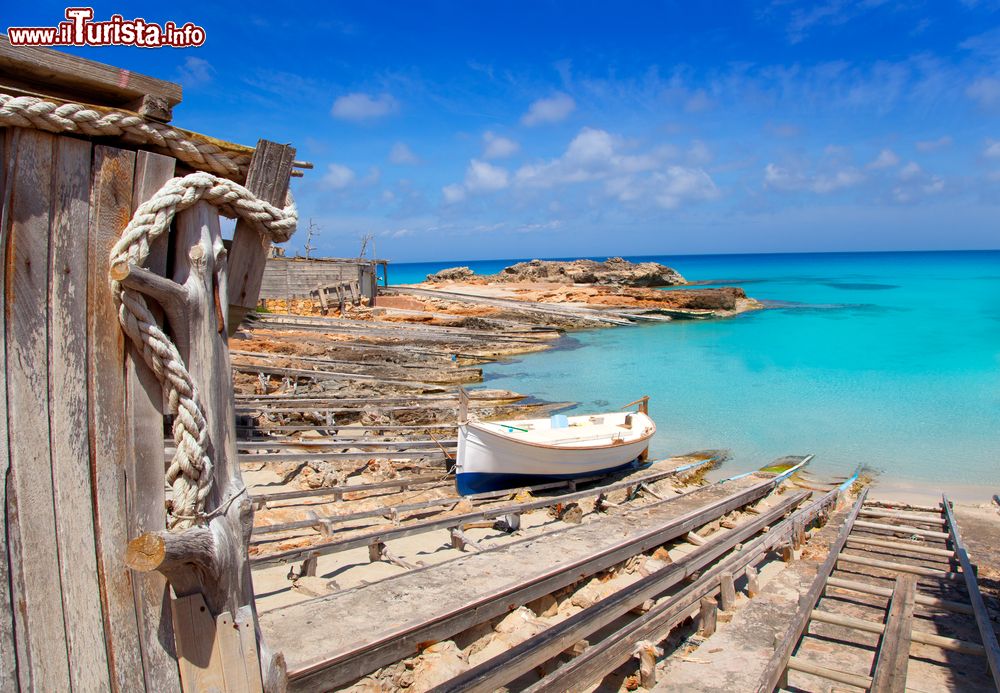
(267, 177)
(753, 585)
(727, 595)
(708, 616)
(209, 561)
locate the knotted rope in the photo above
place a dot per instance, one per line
(33, 112)
(190, 471)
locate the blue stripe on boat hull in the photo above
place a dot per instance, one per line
(469, 483)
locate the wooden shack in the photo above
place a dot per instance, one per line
(107, 582)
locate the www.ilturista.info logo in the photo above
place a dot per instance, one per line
(81, 30)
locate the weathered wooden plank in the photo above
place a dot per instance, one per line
(270, 168)
(110, 210)
(983, 622)
(778, 663)
(68, 415)
(70, 76)
(8, 658)
(893, 656)
(198, 654)
(144, 458)
(42, 647)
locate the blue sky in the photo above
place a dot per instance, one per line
(473, 130)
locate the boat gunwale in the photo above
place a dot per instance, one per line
(549, 446)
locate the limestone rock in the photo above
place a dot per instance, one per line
(544, 606)
(451, 274)
(435, 665)
(612, 272)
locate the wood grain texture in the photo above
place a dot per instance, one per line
(893, 656)
(70, 449)
(69, 75)
(8, 657)
(267, 178)
(144, 459)
(38, 602)
(111, 208)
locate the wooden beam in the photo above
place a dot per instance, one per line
(893, 656)
(951, 644)
(922, 599)
(8, 650)
(902, 546)
(985, 625)
(902, 529)
(899, 567)
(267, 178)
(68, 76)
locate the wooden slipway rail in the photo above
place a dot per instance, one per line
(437, 602)
(325, 523)
(912, 539)
(376, 540)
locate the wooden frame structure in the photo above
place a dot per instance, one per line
(889, 668)
(82, 420)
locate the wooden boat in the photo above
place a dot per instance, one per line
(507, 454)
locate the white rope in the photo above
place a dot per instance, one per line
(190, 471)
(33, 112)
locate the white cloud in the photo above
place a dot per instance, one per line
(195, 72)
(453, 193)
(931, 145)
(885, 159)
(402, 154)
(359, 106)
(910, 171)
(992, 149)
(596, 155)
(550, 110)
(338, 176)
(985, 90)
(698, 101)
(484, 177)
(497, 147)
(790, 180)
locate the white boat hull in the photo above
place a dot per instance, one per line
(493, 459)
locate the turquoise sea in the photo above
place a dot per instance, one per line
(890, 360)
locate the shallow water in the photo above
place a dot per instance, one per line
(890, 360)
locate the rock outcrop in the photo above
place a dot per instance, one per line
(451, 274)
(612, 272)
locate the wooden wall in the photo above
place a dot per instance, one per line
(81, 428)
(296, 278)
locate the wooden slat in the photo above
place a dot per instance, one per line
(778, 662)
(865, 588)
(893, 656)
(68, 416)
(8, 658)
(267, 178)
(42, 648)
(64, 75)
(110, 210)
(144, 458)
(986, 632)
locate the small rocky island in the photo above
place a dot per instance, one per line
(614, 283)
